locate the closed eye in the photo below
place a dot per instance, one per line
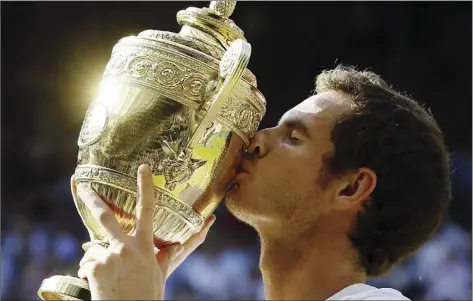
(293, 137)
(297, 126)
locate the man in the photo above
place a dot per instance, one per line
(351, 181)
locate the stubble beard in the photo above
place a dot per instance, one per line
(238, 210)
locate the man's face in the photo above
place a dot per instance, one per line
(279, 179)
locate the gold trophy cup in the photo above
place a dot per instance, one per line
(183, 103)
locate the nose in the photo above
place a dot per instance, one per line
(258, 147)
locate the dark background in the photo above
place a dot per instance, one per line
(53, 55)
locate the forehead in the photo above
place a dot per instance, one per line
(324, 103)
(324, 106)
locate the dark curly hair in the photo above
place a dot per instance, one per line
(399, 140)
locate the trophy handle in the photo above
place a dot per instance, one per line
(231, 69)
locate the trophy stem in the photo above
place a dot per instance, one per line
(64, 288)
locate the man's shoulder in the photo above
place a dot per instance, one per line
(361, 291)
(385, 294)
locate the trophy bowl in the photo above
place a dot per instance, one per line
(185, 104)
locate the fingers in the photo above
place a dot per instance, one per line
(197, 239)
(164, 255)
(102, 213)
(84, 271)
(95, 254)
(145, 205)
(166, 258)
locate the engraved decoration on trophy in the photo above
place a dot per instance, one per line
(183, 103)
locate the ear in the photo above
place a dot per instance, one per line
(356, 188)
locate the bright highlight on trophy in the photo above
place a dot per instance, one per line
(183, 103)
(108, 94)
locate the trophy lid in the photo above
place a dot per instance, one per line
(207, 30)
(214, 21)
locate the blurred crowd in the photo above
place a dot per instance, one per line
(48, 242)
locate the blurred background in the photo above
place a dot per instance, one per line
(53, 55)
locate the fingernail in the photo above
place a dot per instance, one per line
(86, 246)
(177, 250)
(144, 169)
(213, 219)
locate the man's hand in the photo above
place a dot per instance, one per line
(129, 269)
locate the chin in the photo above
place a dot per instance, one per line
(233, 202)
(241, 207)
(240, 213)
(239, 197)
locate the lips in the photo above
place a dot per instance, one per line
(244, 167)
(240, 170)
(243, 171)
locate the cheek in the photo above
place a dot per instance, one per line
(287, 183)
(281, 180)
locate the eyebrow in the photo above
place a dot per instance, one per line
(292, 120)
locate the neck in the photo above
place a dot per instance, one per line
(313, 265)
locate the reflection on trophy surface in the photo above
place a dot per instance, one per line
(183, 103)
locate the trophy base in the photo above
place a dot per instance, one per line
(64, 288)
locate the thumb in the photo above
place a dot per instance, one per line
(167, 255)
(175, 251)
(170, 258)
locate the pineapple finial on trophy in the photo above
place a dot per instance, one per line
(223, 8)
(213, 21)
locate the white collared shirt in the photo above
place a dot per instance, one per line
(361, 291)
